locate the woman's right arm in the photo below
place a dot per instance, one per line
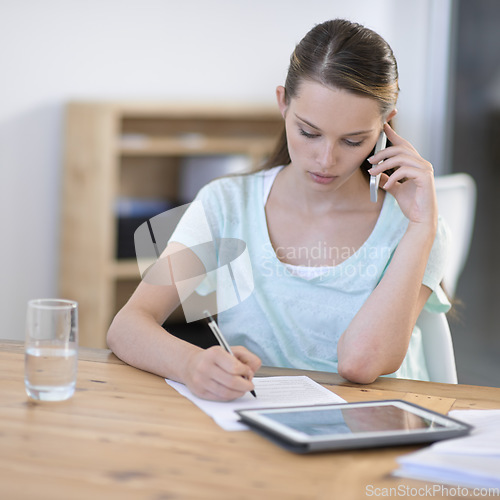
(137, 337)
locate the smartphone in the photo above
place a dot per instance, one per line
(375, 179)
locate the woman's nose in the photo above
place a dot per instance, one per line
(327, 155)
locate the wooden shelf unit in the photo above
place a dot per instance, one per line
(117, 149)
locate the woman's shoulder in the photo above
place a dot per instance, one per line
(233, 187)
(393, 222)
(234, 181)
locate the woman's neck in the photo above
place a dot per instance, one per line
(353, 194)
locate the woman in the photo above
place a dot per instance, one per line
(339, 281)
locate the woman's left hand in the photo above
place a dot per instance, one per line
(412, 182)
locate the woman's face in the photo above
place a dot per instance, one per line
(330, 133)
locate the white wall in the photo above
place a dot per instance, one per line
(52, 51)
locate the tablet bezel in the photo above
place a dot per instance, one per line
(256, 420)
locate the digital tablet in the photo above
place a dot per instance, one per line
(305, 429)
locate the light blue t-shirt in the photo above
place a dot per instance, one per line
(289, 321)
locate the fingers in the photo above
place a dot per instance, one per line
(396, 159)
(404, 174)
(398, 145)
(247, 357)
(410, 179)
(393, 137)
(219, 376)
(233, 365)
(214, 391)
(224, 387)
(400, 154)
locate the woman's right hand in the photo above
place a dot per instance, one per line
(411, 183)
(217, 375)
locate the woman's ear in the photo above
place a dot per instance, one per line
(391, 115)
(281, 98)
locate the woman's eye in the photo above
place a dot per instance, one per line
(307, 134)
(353, 143)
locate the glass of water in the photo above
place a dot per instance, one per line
(51, 349)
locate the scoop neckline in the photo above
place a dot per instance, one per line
(330, 271)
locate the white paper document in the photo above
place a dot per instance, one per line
(271, 392)
(471, 461)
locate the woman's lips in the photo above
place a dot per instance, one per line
(322, 178)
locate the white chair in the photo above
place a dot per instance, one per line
(456, 194)
(438, 347)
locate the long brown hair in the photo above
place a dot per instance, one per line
(342, 55)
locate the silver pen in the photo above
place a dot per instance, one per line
(220, 338)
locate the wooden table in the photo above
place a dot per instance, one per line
(127, 434)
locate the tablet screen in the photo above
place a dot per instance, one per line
(342, 421)
(351, 420)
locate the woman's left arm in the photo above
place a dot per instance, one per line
(376, 341)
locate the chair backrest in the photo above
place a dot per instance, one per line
(438, 347)
(456, 195)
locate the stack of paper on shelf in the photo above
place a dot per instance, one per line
(472, 461)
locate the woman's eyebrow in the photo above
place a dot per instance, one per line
(358, 132)
(307, 122)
